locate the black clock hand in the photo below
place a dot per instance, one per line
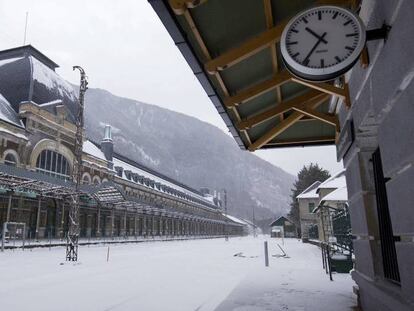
(314, 48)
(316, 35)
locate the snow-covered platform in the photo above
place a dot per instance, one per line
(177, 275)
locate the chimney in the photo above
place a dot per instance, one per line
(107, 145)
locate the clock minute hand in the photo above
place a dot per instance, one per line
(316, 35)
(314, 47)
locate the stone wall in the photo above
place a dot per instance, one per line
(382, 111)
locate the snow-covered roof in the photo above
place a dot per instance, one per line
(310, 192)
(8, 114)
(156, 179)
(235, 219)
(92, 149)
(27, 75)
(9, 60)
(3, 130)
(336, 181)
(281, 217)
(338, 195)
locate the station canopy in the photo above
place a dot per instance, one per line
(232, 47)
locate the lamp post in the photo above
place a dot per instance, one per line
(73, 235)
(254, 223)
(226, 232)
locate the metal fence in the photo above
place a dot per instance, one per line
(341, 223)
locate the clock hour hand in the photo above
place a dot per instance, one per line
(306, 60)
(316, 35)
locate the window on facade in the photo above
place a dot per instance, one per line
(311, 207)
(54, 164)
(10, 159)
(389, 254)
(86, 180)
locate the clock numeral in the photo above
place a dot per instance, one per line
(294, 30)
(335, 15)
(305, 20)
(350, 48)
(305, 62)
(293, 42)
(337, 59)
(348, 22)
(319, 15)
(352, 34)
(322, 63)
(296, 54)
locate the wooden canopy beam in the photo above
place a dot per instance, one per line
(180, 6)
(304, 141)
(307, 98)
(273, 53)
(256, 44)
(327, 88)
(217, 75)
(282, 126)
(326, 118)
(246, 49)
(251, 92)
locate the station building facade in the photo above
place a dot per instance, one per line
(119, 197)
(378, 153)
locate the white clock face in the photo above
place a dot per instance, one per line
(322, 43)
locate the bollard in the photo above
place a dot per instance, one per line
(329, 263)
(107, 255)
(323, 256)
(266, 254)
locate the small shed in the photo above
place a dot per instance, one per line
(283, 227)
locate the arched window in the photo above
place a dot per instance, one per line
(10, 159)
(86, 179)
(52, 163)
(96, 180)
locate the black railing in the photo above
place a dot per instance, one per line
(341, 223)
(389, 254)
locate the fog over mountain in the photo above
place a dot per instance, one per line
(190, 151)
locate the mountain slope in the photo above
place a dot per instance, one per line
(191, 151)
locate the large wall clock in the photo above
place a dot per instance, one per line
(322, 43)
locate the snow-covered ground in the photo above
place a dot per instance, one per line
(178, 275)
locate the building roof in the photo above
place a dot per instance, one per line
(338, 195)
(235, 219)
(28, 75)
(7, 113)
(310, 192)
(91, 149)
(281, 218)
(336, 181)
(232, 48)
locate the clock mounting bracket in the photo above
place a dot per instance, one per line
(378, 33)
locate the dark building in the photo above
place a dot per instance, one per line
(283, 227)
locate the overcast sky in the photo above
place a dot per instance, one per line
(125, 49)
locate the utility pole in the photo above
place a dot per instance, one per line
(254, 224)
(73, 235)
(226, 232)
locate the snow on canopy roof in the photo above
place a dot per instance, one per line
(310, 192)
(235, 219)
(338, 195)
(336, 181)
(156, 179)
(8, 114)
(90, 148)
